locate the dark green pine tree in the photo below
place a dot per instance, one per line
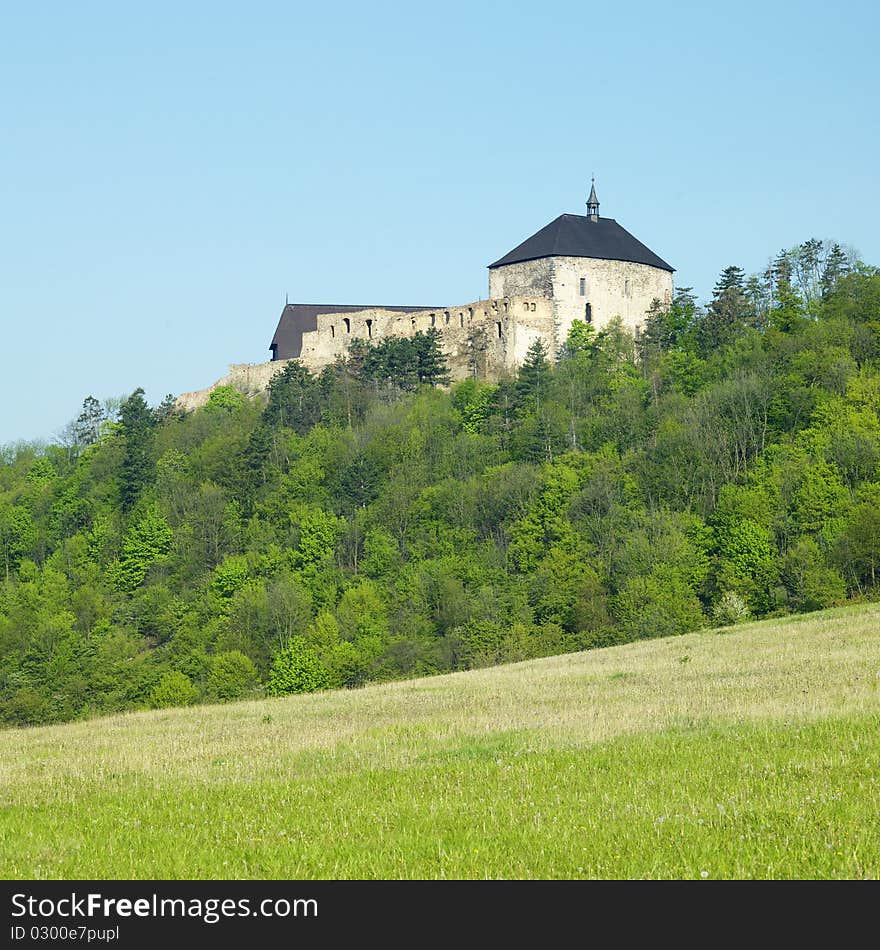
(533, 378)
(667, 326)
(836, 266)
(399, 360)
(431, 358)
(294, 399)
(359, 481)
(728, 312)
(138, 422)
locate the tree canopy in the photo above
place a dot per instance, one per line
(366, 523)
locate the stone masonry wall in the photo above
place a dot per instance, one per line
(485, 338)
(612, 288)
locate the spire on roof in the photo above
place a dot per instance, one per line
(593, 203)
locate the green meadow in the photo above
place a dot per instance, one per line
(753, 751)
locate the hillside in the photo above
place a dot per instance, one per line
(370, 525)
(752, 752)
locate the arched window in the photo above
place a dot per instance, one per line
(370, 329)
(588, 313)
(347, 323)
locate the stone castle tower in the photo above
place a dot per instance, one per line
(578, 267)
(590, 268)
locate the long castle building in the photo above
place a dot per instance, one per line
(578, 267)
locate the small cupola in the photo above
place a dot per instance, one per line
(593, 203)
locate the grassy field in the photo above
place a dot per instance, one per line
(753, 752)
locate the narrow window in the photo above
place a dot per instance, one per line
(433, 319)
(526, 305)
(589, 313)
(461, 319)
(414, 323)
(332, 330)
(447, 317)
(583, 286)
(533, 308)
(505, 306)
(347, 323)
(498, 325)
(370, 329)
(470, 314)
(626, 288)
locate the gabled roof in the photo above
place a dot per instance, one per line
(575, 235)
(299, 318)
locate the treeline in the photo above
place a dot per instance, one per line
(363, 524)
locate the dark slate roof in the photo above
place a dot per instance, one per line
(299, 318)
(575, 235)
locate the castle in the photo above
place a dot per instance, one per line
(578, 267)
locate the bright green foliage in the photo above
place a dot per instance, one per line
(146, 543)
(18, 534)
(659, 604)
(173, 689)
(318, 533)
(230, 576)
(232, 675)
(297, 669)
(581, 338)
(819, 497)
(858, 546)
(380, 553)
(810, 583)
(727, 460)
(748, 559)
(225, 399)
(474, 400)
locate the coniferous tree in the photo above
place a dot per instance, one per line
(138, 422)
(534, 375)
(294, 401)
(87, 428)
(728, 311)
(431, 358)
(836, 266)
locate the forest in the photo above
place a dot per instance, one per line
(373, 523)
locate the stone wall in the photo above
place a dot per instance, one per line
(525, 279)
(248, 378)
(611, 288)
(485, 338)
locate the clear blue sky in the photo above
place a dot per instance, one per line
(168, 171)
